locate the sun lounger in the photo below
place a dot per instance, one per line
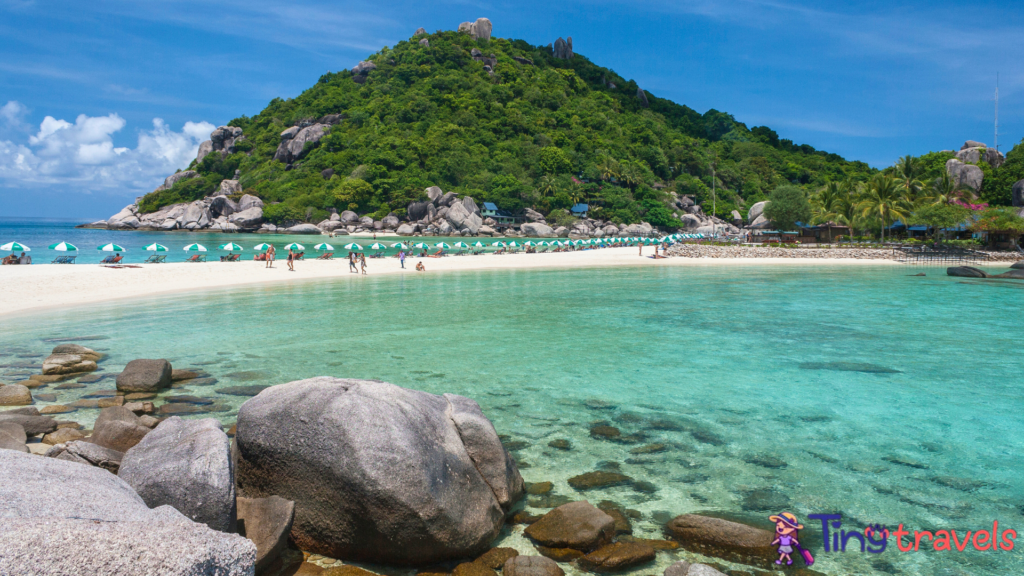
(155, 259)
(379, 254)
(230, 258)
(197, 258)
(326, 256)
(64, 260)
(111, 260)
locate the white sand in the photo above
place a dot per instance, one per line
(39, 287)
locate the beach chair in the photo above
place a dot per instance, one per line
(111, 260)
(197, 258)
(60, 260)
(379, 254)
(156, 259)
(325, 256)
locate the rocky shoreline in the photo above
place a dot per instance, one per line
(315, 475)
(688, 250)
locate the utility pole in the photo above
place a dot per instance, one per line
(997, 112)
(714, 230)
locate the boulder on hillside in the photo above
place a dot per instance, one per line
(973, 144)
(469, 204)
(390, 222)
(293, 148)
(363, 68)
(13, 437)
(756, 210)
(534, 216)
(562, 49)
(642, 97)
(348, 217)
(479, 30)
(419, 31)
(144, 375)
(576, 525)
(966, 272)
(248, 201)
(447, 199)
(377, 472)
(531, 566)
(173, 179)
(250, 218)
(405, 230)
(1018, 193)
(90, 520)
(223, 206)
(15, 395)
(228, 187)
(118, 428)
(969, 155)
(965, 174)
(185, 464)
(67, 364)
(537, 230)
(462, 219)
(434, 194)
(724, 539)
(87, 453)
(267, 522)
(994, 157)
(418, 210)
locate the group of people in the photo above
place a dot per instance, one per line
(15, 259)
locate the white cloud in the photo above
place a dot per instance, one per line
(82, 155)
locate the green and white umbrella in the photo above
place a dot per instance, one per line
(400, 246)
(529, 243)
(443, 246)
(378, 246)
(478, 244)
(194, 248)
(110, 248)
(15, 247)
(421, 245)
(353, 246)
(260, 247)
(461, 245)
(155, 248)
(499, 244)
(514, 244)
(232, 247)
(63, 247)
(323, 246)
(294, 246)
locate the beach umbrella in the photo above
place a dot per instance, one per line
(63, 247)
(461, 245)
(195, 248)
(231, 246)
(443, 246)
(15, 247)
(110, 248)
(294, 246)
(259, 247)
(353, 246)
(529, 243)
(323, 246)
(421, 245)
(514, 244)
(400, 246)
(499, 244)
(155, 248)
(378, 246)
(478, 244)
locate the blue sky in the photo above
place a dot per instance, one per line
(100, 100)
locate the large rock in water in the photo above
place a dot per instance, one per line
(13, 437)
(531, 566)
(966, 272)
(15, 395)
(91, 522)
(59, 363)
(144, 376)
(576, 525)
(185, 464)
(377, 472)
(118, 428)
(724, 539)
(29, 419)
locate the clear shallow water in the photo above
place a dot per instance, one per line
(893, 399)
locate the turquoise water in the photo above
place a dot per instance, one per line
(890, 398)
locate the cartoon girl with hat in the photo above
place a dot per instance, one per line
(786, 527)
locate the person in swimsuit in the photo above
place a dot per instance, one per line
(291, 260)
(352, 262)
(786, 535)
(271, 252)
(362, 263)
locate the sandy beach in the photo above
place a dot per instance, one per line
(40, 287)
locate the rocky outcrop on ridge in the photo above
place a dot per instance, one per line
(479, 30)
(221, 140)
(964, 170)
(563, 49)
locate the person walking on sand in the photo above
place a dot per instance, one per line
(401, 258)
(291, 260)
(641, 249)
(362, 263)
(271, 252)
(352, 262)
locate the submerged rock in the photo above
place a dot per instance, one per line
(145, 376)
(377, 472)
(531, 566)
(598, 479)
(617, 556)
(724, 539)
(15, 395)
(577, 525)
(118, 428)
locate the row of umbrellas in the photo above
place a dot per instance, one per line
(67, 247)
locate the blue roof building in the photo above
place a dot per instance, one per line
(579, 210)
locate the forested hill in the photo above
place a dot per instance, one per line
(503, 121)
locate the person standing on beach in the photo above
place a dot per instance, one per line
(291, 260)
(271, 252)
(401, 258)
(362, 263)
(352, 262)
(641, 248)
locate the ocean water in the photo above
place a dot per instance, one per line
(867, 391)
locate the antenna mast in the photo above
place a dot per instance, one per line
(997, 112)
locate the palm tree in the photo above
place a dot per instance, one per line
(908, 170)
(547, 185)
(576, 193)
(945, 190)
(884, 198)
(633, 173)
(608, 168)
(825, 202)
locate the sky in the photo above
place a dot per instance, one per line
(100, 100)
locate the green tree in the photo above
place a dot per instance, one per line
(788, 205)
(940, 216)
(554, 161)
(907, 173)
(883, 199)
